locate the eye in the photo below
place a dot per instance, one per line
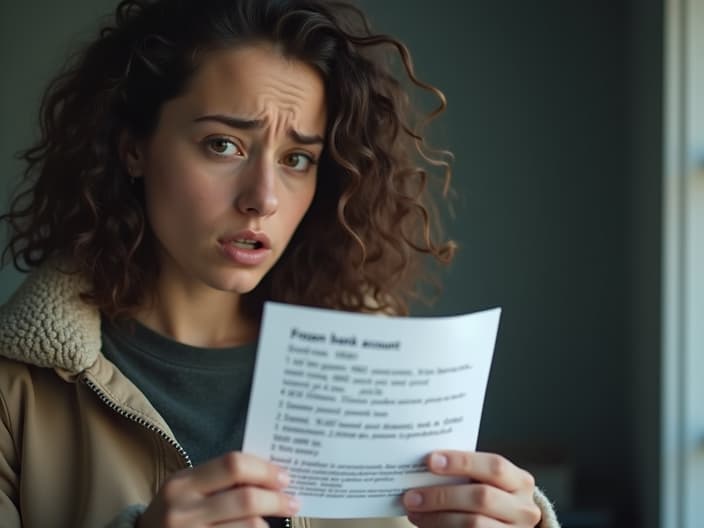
(223, 147)
(298, 161)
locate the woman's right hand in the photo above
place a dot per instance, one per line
(234, 490)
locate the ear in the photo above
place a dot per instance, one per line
(131, 155)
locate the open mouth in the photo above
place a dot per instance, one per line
(243, 243)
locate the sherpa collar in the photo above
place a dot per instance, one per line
(46, 323)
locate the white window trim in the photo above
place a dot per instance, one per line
(682, 438)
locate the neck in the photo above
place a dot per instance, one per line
(197, 315)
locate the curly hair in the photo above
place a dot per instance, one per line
(362, 244)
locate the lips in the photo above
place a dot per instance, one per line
(248, 240)
(246, 248)
(246, 244)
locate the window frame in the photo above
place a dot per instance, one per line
(682, 438)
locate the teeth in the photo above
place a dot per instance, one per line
(243, 243)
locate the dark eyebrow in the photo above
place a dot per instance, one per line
(252, 124)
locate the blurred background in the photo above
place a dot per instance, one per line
(576, 127)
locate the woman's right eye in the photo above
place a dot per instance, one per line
(223, 147)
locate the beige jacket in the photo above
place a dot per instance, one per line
(80, 445)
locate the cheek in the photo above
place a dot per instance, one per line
(181, 194)
(301, 204)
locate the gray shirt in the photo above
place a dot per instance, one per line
(202, 393)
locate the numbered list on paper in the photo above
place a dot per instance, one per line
(351, 404)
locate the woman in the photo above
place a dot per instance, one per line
(197, 159)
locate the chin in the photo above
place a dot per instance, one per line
(239, 282)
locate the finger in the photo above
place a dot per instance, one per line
(454, 520)
(488, 468)
(252, 522)
(236, 468)
(246, 502)
(472, 498)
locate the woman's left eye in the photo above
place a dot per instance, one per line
(223, 147)
(298, 161)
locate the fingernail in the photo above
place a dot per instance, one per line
(438, 461)
(293, 505)
(284, 479)
(413, 499)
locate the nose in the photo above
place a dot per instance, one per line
(256, 193)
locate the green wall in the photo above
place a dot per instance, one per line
(35, 38)
(645, 243)
(539, 118)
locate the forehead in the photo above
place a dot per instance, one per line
(257, 82)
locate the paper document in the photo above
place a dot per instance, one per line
(350, 404)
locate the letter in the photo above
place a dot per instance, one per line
(338, 340)
(306, 336)
(353, 401)
(389, 345)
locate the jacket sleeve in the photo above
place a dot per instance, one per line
(549, 519)
(9, 472)
(128, 517)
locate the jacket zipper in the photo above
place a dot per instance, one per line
(144, 423)
(141, 421)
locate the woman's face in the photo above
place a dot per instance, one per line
(231, 169)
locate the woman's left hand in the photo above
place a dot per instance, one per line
(498, 494)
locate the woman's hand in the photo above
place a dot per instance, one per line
(234, 490)
(499, 494)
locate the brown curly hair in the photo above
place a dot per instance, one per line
(360, 246)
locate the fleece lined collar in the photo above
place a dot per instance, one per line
(45, 322)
